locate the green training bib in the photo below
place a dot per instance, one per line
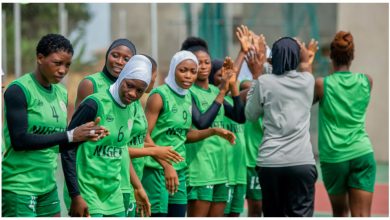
(33, 172)
(236, 154)
(253, 137)
(99, 163)
(342, 114)
(206, 159)
(172, 125)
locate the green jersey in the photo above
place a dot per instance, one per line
(33, 172)
(99, 163)
(342, 113)
(138, 134)
(236, 160)
(253, 137)
(137, 137)
(100, 81)
(173, 124)
(206, 159)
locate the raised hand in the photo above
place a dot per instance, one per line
(307, 54)
(312, 49)
(261, 47)
(244, 36)
(227, 74)
(255, 61)
(257, 55)
(226, 134)
(230, 69)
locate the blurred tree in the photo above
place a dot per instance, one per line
(37, 20)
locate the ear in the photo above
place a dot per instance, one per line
(40, 58)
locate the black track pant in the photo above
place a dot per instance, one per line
(288, 191)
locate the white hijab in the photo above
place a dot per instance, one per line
(138, 67)
(176, 59)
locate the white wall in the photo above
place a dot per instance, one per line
(369, 26)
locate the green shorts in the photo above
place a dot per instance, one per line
(130, 206)
(211, 193)
(358, 173)
(15, 205)
(153, 181)
(253, 189)
(236, 199)
(119, 214)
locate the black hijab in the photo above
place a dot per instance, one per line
(114, 44)
(216, 65)
(285, 55)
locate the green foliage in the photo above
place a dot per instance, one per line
(37, 20)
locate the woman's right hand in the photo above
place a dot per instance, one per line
(90, 131)
(260, 45)
(228, 65)
(307, 54)
(78, 207)
(167, 154)
(254, 61)
(171, 179)
(226, 76)
(312, 49)
(244, 36)
(256, 56)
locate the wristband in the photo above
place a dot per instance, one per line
(70, 135)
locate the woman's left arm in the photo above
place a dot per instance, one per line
(254, 105)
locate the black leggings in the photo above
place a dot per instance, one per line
(288, 191)
(177, 210)
(174, 210)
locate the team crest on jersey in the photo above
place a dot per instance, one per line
(174, 109)
(39, 102)
(109, 118)
(63, 106)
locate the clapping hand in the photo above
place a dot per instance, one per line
(227, 74)
(90, 131)
(244, 36)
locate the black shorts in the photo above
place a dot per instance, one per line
(288, 191)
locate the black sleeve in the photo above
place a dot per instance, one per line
(85, 113)
(202, 121)
(16, 108)
(237, 111)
